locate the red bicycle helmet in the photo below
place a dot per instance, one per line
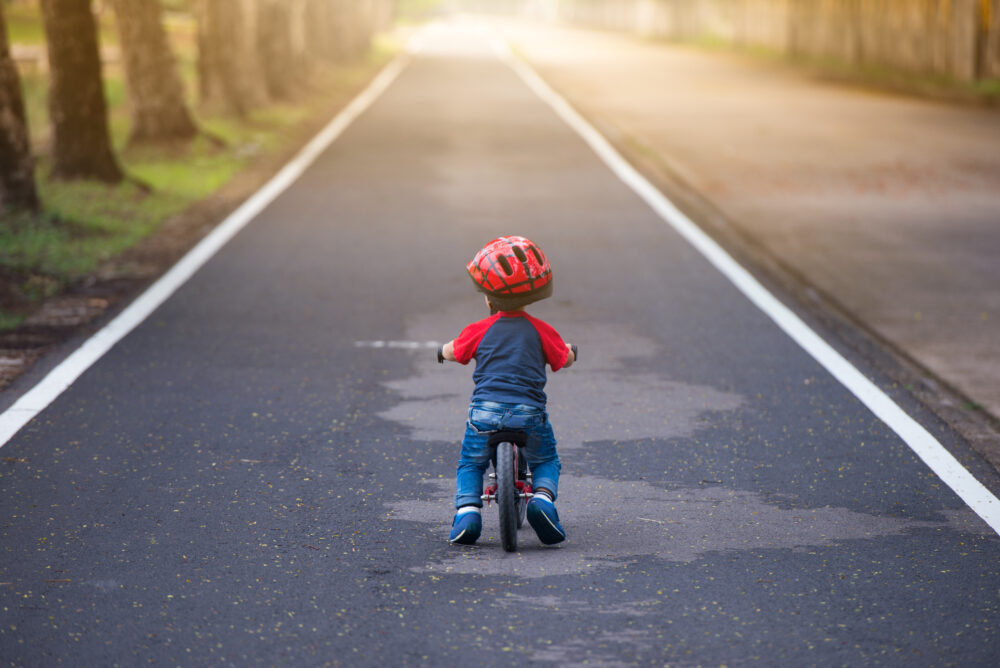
(512, 271)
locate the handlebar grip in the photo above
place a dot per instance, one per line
(440, 354)
(576, 352)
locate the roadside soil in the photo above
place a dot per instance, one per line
(88, 303)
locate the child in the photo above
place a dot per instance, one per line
(511, 349)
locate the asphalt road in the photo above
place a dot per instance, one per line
(247, 479)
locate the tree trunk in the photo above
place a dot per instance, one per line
(228, 62)
(78, 110)
(156, 95)
(321, 41)
(357, 25)
(964, 34)
(17, 168)
(346, 28)
(340, 30)
(276, 39)
(299, 37)
(992, 23)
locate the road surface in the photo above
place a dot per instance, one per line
(262, 471)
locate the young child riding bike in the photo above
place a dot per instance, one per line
(511, 349)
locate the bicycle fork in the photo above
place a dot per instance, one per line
(524, 489)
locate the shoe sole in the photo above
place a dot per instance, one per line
(464, 538)
(547, 532)
(458, 540)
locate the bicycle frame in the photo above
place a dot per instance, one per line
(523, 484)
(512, 487)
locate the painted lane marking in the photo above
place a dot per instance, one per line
(404, 345)
(61, 377)
(922, 442)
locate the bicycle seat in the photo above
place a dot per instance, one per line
(518, 438)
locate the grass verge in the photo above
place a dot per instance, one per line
(84, 225)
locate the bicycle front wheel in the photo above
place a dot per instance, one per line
(507, 496)
(522, 477)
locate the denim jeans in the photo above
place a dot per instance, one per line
(487, 417)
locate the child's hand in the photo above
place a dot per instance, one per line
(446, 352)
(571, 357)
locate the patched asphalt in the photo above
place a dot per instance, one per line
(238, 482)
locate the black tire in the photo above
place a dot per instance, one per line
(507, 496)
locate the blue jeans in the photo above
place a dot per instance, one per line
(487, 417)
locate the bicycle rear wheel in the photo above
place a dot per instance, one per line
(507, 495)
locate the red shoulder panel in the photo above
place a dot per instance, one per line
(468, 341)
(556, 352)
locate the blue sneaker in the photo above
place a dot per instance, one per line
(544, 520)
(465, 528)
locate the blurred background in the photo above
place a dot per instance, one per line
(958, 38)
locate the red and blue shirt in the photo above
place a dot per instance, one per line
(511, 350)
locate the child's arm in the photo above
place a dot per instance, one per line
(447, 352)
(462, 349)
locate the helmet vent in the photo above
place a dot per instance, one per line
(519, 252)
(534, 251)
(505, 264)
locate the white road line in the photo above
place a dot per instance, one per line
(956, 476)
(60, 378)
(399, 345)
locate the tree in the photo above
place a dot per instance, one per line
(228, 62)
(280, 36)
(319, 24)
(155, 91)
(79, 115)
(250, 51)
(356, 23)
(17, 168)
(991, 22)
(340, 30)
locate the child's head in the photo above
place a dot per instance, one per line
(513, 272)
